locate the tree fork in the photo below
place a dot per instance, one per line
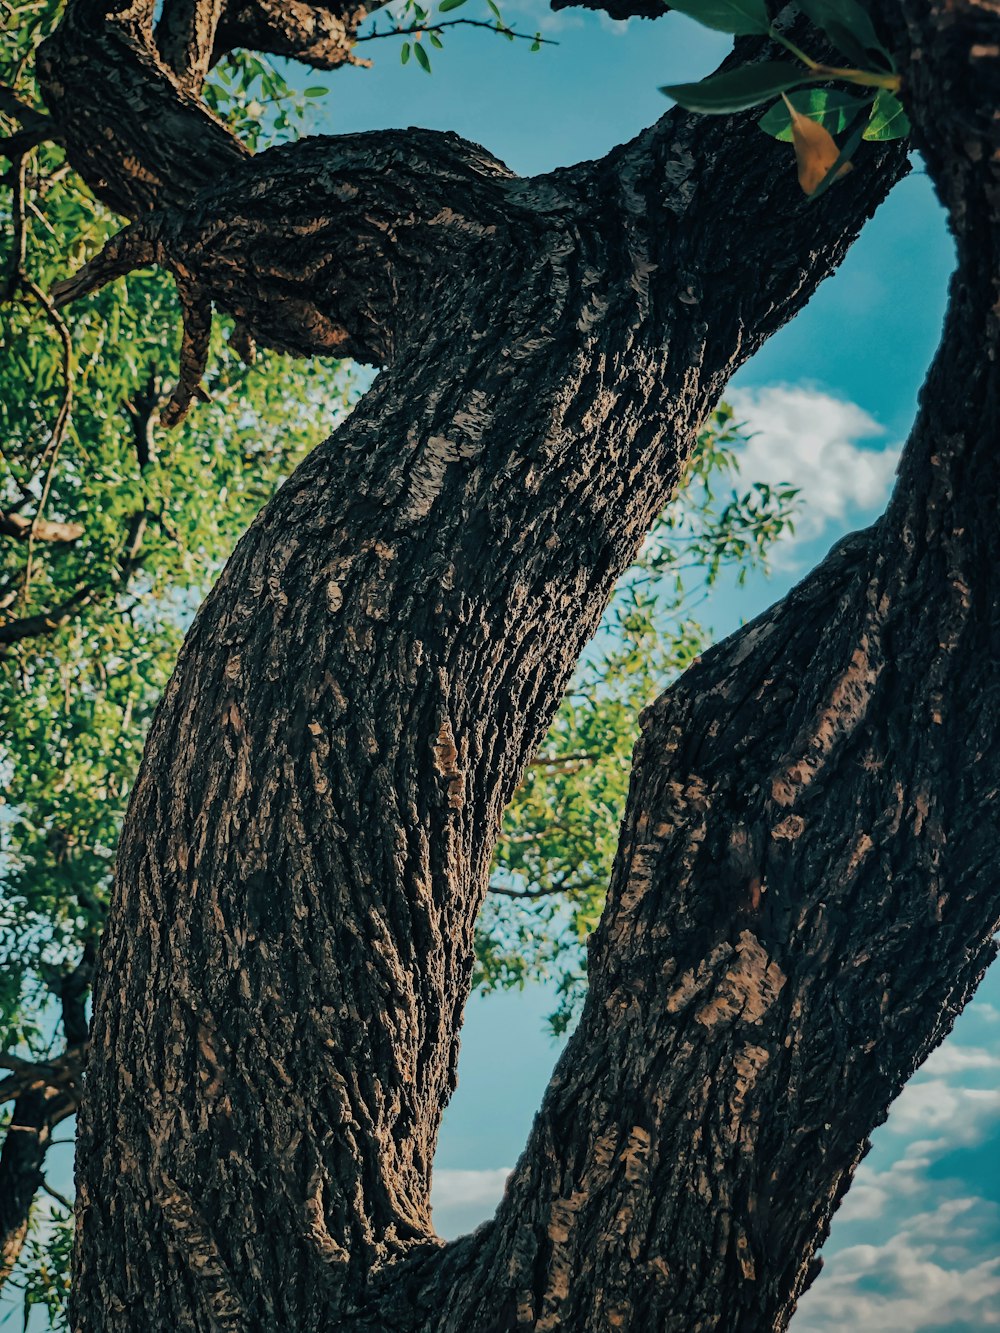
(308, 843)
(805, 895)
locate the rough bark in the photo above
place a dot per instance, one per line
(802, 868)
(308, 842)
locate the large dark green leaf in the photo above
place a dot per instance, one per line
(737, 89)
(848, 25)
(740, 17)
(834, 110)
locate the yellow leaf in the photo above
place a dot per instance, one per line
(815, 149)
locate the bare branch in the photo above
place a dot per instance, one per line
(54, 1194)
(15, 260)
(47, 622)
(25, 115)
(72, 991)
(197, 313)
(416, 29)
(142, 410)
(50, 455)
(36, 1113)
(46, 530)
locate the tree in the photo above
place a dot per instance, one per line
(802, 897)
(89, 639)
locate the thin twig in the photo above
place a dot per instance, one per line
(418, 28)
(562, 760)
(50, 455)
(54, 1194)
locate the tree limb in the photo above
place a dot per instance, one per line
(47, 530)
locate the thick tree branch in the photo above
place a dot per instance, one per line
(185, 38)
(144, 139)
(36, 1113)
(321, 35)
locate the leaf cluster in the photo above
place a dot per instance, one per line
(877, 114)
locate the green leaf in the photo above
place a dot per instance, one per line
(888, 119)
(495, 10)
(848, 25)
(315, 91)
(423, 59)
(740, 17)
(435, 41)
(447, 5)
(737, 89)
(833, 110)
(404, 53)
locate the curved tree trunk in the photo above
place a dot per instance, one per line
(289, 949)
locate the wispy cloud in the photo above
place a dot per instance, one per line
(810, 439)
(931, 1275)
(463, 1199)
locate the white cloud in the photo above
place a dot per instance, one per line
(964, 1112)
(954, 1059)
(808, 439)
(926, 1276)
(463, 1199)
(451, 1187)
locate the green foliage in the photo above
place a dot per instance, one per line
(740, 17)
(43, 1276)
(737, 89)
(561, 831)
(156, 514)
(832, 109)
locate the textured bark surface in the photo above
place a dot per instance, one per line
(289, 950)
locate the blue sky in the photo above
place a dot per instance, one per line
(830, 398)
